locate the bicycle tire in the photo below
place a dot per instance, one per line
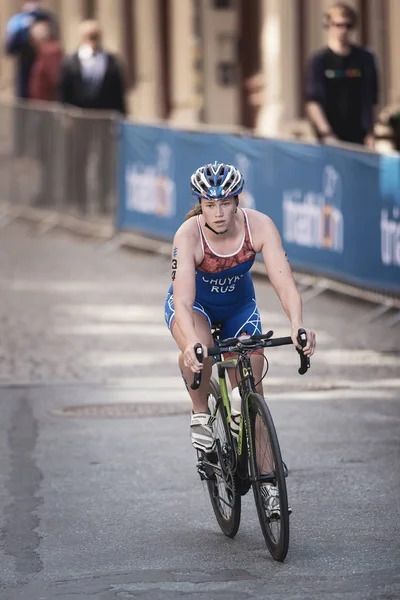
(228, 520)
(276, 533)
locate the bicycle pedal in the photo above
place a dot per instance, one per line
(202, 471)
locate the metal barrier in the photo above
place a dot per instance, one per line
(57, 158)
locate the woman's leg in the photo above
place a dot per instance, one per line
(201, 431)
(203, 330)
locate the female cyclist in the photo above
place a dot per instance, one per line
(213, 252)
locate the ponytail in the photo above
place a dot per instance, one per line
(196, 210)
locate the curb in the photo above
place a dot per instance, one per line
(311, 285)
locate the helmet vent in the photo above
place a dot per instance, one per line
(211, 176)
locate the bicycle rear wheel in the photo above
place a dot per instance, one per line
(225, 501)
(267, 467)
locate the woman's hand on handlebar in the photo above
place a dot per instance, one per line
(309, 348)
(189, 357)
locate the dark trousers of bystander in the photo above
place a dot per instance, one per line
(90, 164)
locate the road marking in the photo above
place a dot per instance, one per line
(154, 314)
(138, 320)
(175, 383)
(105, 319)
(168, 395)
(287, 357)
(298, 384)
(132, 359)
(171, 389)
(164, 395)
(112, 312)
(350, 394)
(350, 358)
(79, 286)
(103, 329)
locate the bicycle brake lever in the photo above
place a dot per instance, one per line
(304, 360)
(198, 350)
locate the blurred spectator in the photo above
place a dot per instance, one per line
(43, 86)
(91, 78)
(342, 83)
(45, 72)
(19, 43)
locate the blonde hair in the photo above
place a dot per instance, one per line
(340, 9)
(194, 212)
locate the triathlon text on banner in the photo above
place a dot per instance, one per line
(338, 211)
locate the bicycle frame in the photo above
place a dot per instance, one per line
(242, 448)
(246, 386)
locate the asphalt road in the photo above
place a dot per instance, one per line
(112, 507)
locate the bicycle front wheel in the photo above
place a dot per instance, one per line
(267, 468)
(225, 501)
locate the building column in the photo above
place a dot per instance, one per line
(110, 16)
(251, 84)
(279, 44)
(52, 5)
(316, 36)
(71, 15)
(393, 52)
(378, 36)
(146, 95)
(220, 41)
(183, 105)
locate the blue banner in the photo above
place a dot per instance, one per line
(338, 211)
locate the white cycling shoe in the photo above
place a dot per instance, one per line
(270, 494)
(201, 432)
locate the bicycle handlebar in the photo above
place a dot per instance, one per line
(252, 342)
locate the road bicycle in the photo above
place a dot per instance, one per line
(253, 458)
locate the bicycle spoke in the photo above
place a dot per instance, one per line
(268, 469)
(264, 456)
(226, 503)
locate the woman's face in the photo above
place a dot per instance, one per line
(219, 214)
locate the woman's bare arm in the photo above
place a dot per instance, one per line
(268, 240)
(183, 282)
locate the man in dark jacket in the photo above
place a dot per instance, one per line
(91, 79)
(342, 84)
